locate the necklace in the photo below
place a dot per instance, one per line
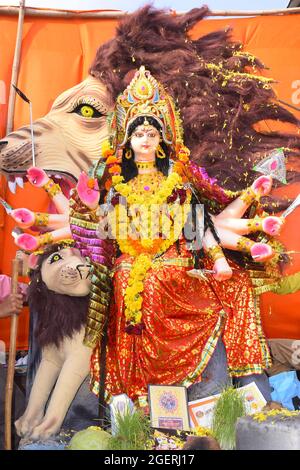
(145, 165)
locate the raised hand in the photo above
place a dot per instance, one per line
(37, 177)
(23, 217)
(262, 185)
(88, 190)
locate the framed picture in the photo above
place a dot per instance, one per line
(201, 411)
(168, 407)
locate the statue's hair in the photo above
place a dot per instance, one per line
(211, 79)
(58, 315)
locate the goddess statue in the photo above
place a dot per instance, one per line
(177, 298)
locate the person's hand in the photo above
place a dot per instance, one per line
(13, 303)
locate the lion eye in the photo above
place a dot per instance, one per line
(87, 111)
(55, 257)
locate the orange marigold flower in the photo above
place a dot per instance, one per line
(107, 185)
(111, 159)
(115, 169)
(91, 183)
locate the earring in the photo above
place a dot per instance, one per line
(160, 152)
(128, 154)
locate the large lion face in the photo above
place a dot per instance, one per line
(67, 272)
(68, 139)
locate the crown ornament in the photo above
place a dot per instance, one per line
(145, 96)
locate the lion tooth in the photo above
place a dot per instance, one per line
(12, 186)
(20, 181)
(58, 177)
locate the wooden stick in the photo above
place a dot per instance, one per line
(290, 105)
(16, 265)
(15, 68)
(119, 13)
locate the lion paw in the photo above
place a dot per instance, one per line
(47, 428)
(25, 425)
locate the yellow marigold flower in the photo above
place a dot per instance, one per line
(106, 149)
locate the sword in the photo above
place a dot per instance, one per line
(292, 207)
(6, 206)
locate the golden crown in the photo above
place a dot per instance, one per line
(145, 96)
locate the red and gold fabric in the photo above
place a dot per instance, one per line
(184, 318)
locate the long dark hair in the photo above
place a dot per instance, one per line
(129, 168)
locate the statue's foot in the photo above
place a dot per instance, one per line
(261, 252)
(222, 270)
(27, 242)
(272, 225)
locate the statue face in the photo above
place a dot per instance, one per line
(144, 142)
(67, 272)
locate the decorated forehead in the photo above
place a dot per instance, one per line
(145, 127)
(145, 96)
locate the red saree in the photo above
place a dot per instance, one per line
(184, 318)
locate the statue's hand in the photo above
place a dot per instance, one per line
(23, 217)
(262, 185)
(272, 225)
(261, 252)
(88, 190)
(37, 176)
(222, 270)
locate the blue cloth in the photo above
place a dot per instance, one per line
(286, 389)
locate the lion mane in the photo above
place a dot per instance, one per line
(220, 99)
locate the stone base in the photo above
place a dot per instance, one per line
(276, 433)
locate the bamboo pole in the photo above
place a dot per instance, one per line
(16, 265)
(296, 108)
(15, 68)
(111, 14)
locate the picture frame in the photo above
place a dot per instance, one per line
(168, 407)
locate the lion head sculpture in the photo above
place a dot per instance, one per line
(208, 73)
(59, 293)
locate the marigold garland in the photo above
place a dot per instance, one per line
(145, 248)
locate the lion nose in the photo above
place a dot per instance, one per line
(84, 270)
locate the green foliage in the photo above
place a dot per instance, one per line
(229, 407)
(134, 432)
